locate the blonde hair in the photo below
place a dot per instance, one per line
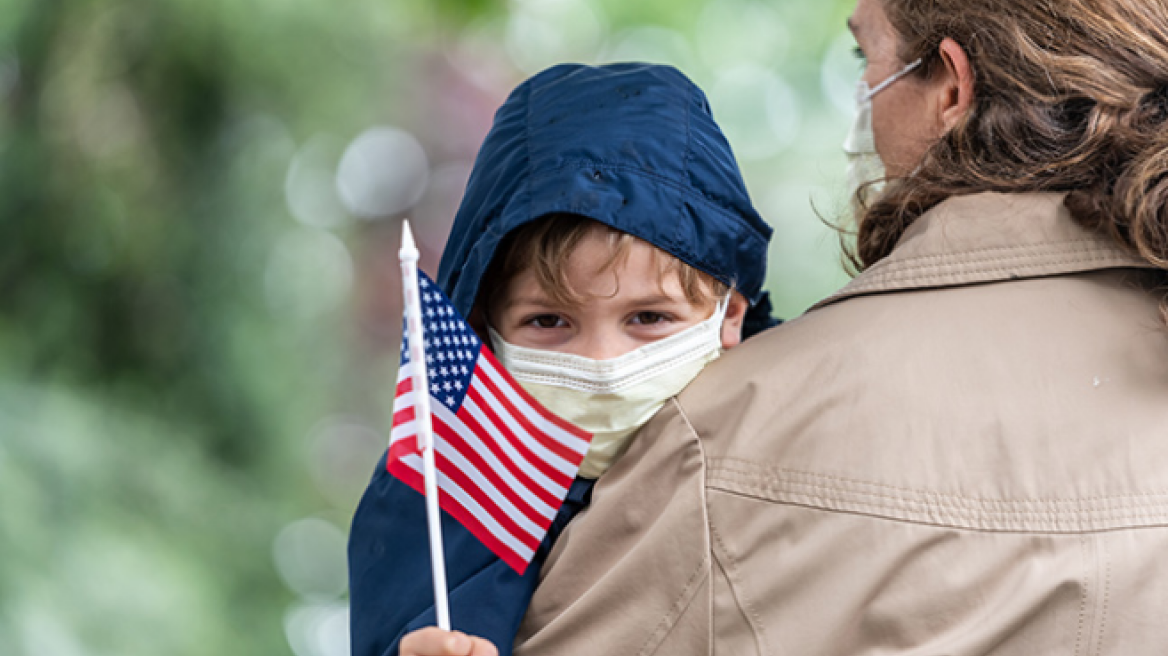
(1069, 96)
(544, 245)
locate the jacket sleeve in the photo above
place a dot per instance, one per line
(631, 574)
(391, 593)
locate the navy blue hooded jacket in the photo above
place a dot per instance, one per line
(633, 146)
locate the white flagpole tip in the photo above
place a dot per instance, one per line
(409, 250)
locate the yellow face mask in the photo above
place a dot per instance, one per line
(613, 398)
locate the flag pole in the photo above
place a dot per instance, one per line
(421, 384)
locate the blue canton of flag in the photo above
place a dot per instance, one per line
(452, 347)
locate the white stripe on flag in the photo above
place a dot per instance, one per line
(562, 436)
(476, 443)
(448, 486)
(402, 402)
(555, 460)
(487, 489)
(403, 431)
(539, 450)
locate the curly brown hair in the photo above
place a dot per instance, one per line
(1069, 95)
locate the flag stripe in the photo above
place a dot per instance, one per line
(520, 528)
(529, 474)
(515, 477)
(499, 405)
(539, 508)
(548, 470)
(552, 476)
(563, 459)
(455, 490)
(492, 488)
(517, 558)
(545, 422)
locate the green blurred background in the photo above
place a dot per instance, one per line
(200, 206)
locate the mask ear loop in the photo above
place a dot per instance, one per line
(718, 318)
(889, 81)
(722, 306)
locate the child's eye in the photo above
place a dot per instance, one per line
(649, 318)
(545, 321)
(859, 53)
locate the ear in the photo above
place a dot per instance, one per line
(732, 324)
(956, 91)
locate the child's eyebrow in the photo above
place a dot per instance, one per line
(655, 299)
(544, 301)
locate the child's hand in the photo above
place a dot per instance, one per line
(432, 641)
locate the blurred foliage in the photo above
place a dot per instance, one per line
(176, 381)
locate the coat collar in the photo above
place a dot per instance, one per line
(986, 238)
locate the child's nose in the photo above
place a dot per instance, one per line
(602, 346)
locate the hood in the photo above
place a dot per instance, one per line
(632, 146)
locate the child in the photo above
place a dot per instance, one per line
(607, 249)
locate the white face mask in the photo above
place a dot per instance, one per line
(864, 164)
(613, 398)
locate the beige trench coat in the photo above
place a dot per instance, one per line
(964, 451)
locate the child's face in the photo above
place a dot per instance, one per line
(610, 319)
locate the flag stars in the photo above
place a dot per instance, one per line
(450, 347)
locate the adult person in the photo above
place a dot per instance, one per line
(965, 450)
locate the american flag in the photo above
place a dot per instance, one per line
(504, 462)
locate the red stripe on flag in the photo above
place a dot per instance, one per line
(549, 442)
(459, 443)
(456, 510)
(407, 446)
(519, 470)
(488, 408)
(460, 479)
(401, 448)
(563, 425)
(405, 415)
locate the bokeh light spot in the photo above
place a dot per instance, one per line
(341, 455)
(383, 171)
(545, 32)
(310, 185)
(318, 629)
(758, 111)
(310, 557)
(657, 45)
(309, 272)
(731, 32)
